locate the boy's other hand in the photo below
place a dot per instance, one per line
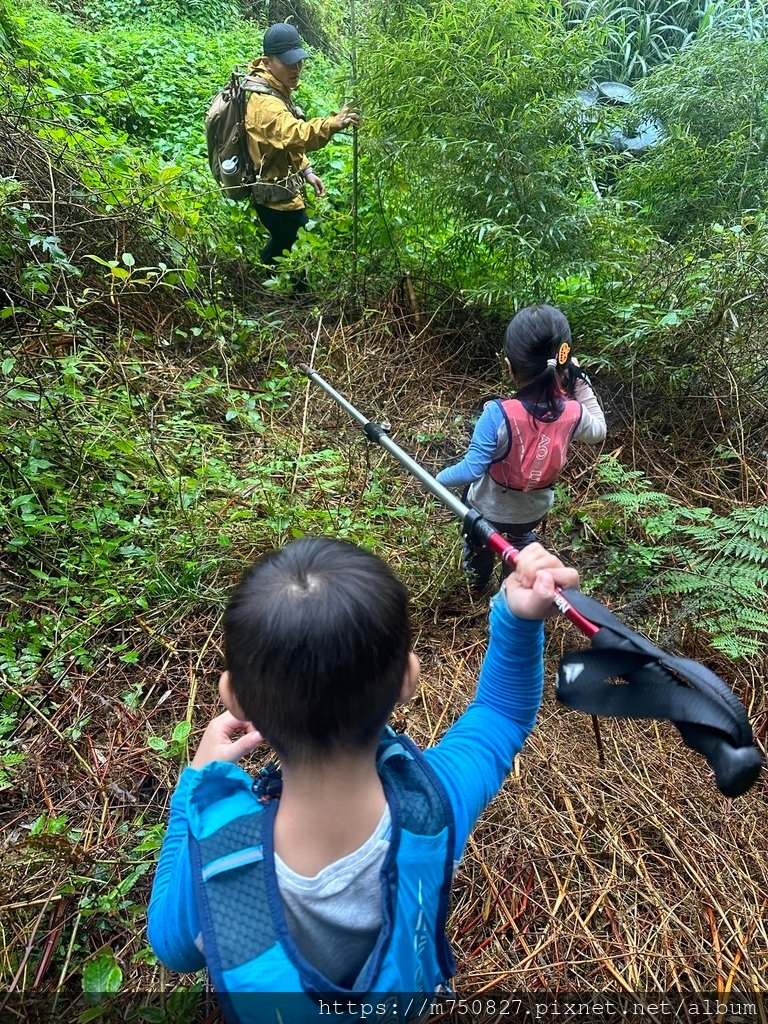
(531, 588)
(219, 742)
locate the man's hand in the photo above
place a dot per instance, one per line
(531, 588)
(219, 743)
(316, 183)
(346, 117)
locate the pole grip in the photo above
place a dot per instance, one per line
(480, 530)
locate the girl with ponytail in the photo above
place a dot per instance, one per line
(520, 444)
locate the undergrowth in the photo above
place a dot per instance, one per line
(154, 436)
(711, 568)
(125, 523)
(129, 508)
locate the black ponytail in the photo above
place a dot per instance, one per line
(537, 344)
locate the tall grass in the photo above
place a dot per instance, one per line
(640, 34)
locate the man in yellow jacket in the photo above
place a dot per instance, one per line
(279, 139)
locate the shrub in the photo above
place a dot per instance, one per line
(474, 143)
(712, 166)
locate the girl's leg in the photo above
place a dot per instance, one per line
(478, 560)
(477, 563)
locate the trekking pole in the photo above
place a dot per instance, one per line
(709, 716)
(474, 524)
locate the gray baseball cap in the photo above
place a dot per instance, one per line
(283, 41)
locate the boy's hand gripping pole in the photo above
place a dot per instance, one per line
(709, 716)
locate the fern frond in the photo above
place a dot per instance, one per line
(702, 534)
(739, 646)
(715, 567)
(748, 618)
(757, 517)
(747, 550)
(609, 470)
(736, 585)
(643, 499)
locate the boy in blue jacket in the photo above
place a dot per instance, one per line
(331, 895)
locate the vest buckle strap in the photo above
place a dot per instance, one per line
(268, 784)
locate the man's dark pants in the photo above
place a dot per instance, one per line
(283, 227)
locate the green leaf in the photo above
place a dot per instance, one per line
(95, 1013)
(102, 975)
(152, 1015)
(181, 732)
(17, 395)
(98, 259)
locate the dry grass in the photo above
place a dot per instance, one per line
(634, 876)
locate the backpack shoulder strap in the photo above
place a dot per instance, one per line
(229, 874)
(573, 411)
(422, 800)
(252, 83)
(504, 406)
(424, 811)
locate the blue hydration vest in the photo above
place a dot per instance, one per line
(257, 971)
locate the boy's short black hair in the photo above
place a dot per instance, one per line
(316, 638)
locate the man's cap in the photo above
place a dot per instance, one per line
(284, 41)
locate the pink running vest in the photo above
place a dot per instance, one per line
(537, 451)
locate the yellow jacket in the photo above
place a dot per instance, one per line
(277, 141)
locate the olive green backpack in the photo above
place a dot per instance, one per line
(228, 155)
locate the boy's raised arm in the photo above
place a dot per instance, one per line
(477, 753)
(172, 913)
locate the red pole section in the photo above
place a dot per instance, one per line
(508, 554)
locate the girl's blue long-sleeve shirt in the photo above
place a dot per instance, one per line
(471, 760)
(481, 452)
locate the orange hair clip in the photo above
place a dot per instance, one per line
(563, 353)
